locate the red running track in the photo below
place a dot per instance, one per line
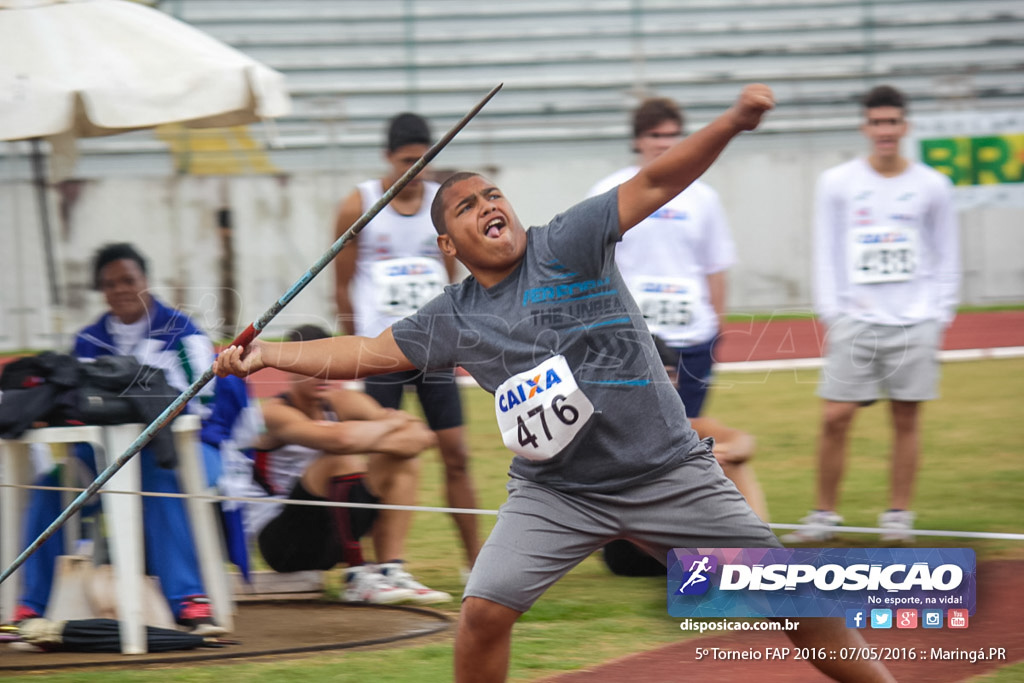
(784, 338)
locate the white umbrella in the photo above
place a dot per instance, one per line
(86, 68)
(99, 67)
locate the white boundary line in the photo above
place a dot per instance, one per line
(915, 532)
(950, 356)
(949, 533)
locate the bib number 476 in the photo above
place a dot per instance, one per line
(541, 410)
(565, 413)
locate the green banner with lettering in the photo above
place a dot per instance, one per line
(981, 152)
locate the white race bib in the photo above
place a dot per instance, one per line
(541, 411)
(882, 254)
(401, 286)
(666, 301)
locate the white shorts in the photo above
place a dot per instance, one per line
(865, 362)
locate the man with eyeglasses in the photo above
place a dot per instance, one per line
(675, 260)
(675, 263)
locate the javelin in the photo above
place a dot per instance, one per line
(246, 337)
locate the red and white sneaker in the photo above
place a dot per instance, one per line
(196, 617)
(364, 584)
(396, 575)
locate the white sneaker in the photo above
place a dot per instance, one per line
(821, 525)
(396, 575)
(897, 523)
(364, 584)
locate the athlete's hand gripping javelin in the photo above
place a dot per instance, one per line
(347, 357)
(240, 360)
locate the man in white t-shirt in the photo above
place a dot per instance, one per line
(675, 263)
(886, 282)
(387, 272)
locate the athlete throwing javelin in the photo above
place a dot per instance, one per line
(603, 447)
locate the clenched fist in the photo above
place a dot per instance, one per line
(751, 105)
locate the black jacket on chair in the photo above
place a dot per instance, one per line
(59, 390)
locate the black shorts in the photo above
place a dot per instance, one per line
(437, 391)
(693, 375)
(305, 537)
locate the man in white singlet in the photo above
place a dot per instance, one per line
(391, 269)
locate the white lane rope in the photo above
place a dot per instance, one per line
(945, 533)
(211, 497)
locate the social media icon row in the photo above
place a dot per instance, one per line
(905, 618)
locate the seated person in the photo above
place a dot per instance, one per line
(342, 446)
(139, 325)
(733, 448)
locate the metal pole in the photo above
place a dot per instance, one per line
(39, 176)
(246, 337)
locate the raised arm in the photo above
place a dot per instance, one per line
(673, 171)
(350, 357)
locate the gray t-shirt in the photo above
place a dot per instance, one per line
(566, 297)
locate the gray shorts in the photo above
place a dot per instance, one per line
(541, 533)
(866, 362)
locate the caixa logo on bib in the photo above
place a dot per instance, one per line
(522, 392)
(817, 582)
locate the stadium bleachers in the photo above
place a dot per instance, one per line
(575, 67)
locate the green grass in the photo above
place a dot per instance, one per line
(1008, 674)
(972, 478)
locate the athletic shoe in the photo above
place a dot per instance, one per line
(896, 523)
(22, 614)
(364, 584)
(396, 575)
(821, 525)
(196, 617)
